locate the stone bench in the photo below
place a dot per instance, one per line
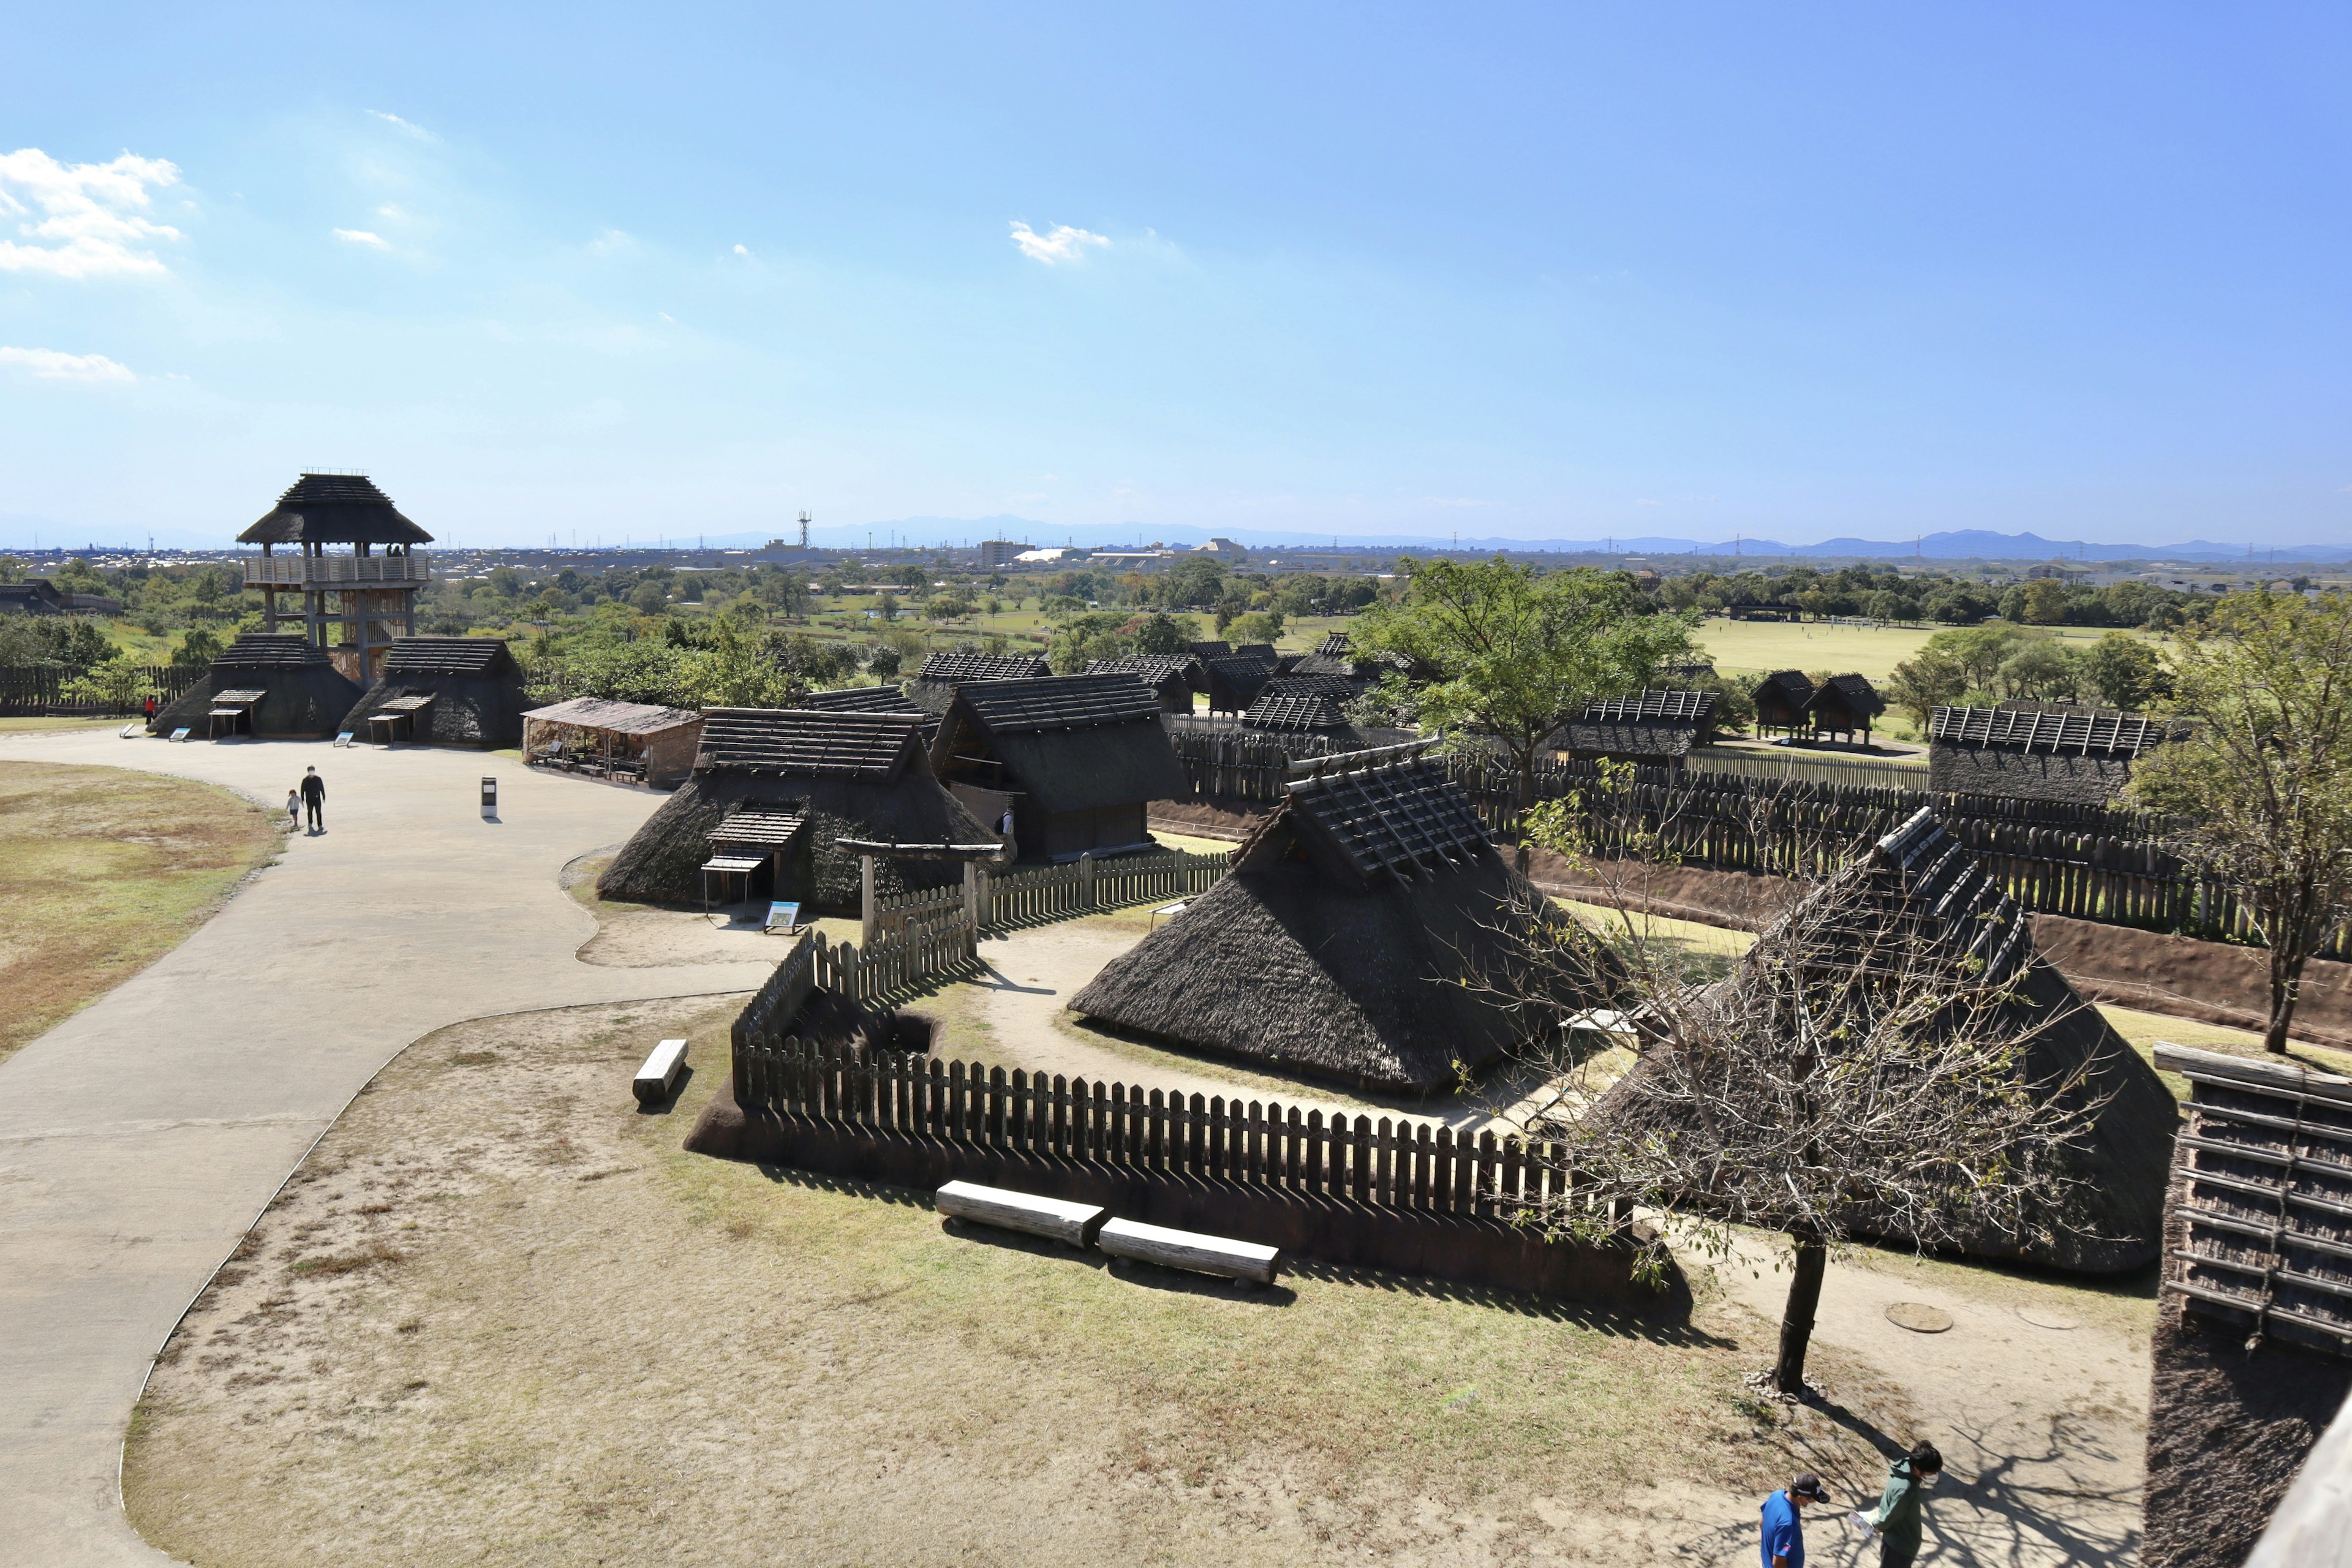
(657, 1079)
(1243, 1261)
(1058, 1219)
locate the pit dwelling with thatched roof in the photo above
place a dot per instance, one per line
(784, 786)
(1656, 728)
(2033, 750)
(1917, 899)
(1173, 676)
(1340, 943)
(935, 684)
(443, 691)
(1074, 758)
(274, 684)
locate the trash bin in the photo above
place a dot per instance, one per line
(490, 796)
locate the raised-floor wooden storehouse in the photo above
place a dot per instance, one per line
(2039, 752)
(1074, 758)
(1843, 705)
(785, 785)
(1340, 944)
(275, 685)
(1170, 676)
(1919, 903)
(2252, 1352)
(1652, 729)
(638, 742)
(934, 686)
(443, 691)
(339, 549)
(1783, 699)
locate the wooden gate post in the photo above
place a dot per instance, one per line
(972, 895)
(866, 910)
(1087, 881)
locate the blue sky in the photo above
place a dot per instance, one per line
(1547, 272)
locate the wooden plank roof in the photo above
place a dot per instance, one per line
(404, 704)
(620, 717)
(1678, 706)
(1154, 670)
(1386, 813)
(762, 827)
(2081, 731)
(950, 667)
(1060, 702)
(241, 694)
(447, 656)
(2266, 1161)
(805, 742)
(270, 650)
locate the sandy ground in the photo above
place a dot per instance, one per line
(499, 1317)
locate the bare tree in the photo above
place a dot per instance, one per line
(1867, 1068)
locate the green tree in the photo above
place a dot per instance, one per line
(1516, 655)
(1257, 625)
(197, 648)
(2264, 780)
(2124, 672)
(2043, 670)
(1164, 633)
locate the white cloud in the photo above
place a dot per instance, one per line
(611, 240)
(51, 365)
(1064, 243)
(742, 250)
(392, 212)
(90, 223)
(666, 316)
(410, 127)
(362, 236)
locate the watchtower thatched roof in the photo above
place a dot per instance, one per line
(1919, 896)
(445, 692)
(848, 776)
(333, 509)
(1340, 944)
(1068, 742)
(300, 694)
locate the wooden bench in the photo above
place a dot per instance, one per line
(657, 1079)
(1244, 1261)
(1057, 1218)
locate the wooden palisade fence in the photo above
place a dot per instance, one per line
(991, 900)
(39, 690)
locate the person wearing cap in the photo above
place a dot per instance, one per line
(1784, 1526)
(1896, 1520)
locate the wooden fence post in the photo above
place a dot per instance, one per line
(1087, 881)
(866, 910)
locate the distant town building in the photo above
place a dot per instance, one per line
(1131, 559)
(1223, 549)
(996, 553)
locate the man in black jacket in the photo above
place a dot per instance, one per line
(314, 799)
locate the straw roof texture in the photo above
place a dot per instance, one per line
(1920, 890)
(855, 775)
(303, 695)
(333, 509)
(1337, 945)
(475, 688)
(860, 699)
(1648, 726)
(1070, 743)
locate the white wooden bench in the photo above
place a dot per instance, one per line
(657, 1079)
(1056, 1219)
(1244, 1261)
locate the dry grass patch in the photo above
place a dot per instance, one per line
(569, 1341)
(103, 870)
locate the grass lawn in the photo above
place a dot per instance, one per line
(102, 870)
(500, 1316)
(1757, 647)
(33, 725)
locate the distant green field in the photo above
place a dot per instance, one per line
(1758, 646)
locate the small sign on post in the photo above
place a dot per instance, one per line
(490, 797)
(785, 918)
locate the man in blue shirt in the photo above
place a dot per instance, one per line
(1784, 1528)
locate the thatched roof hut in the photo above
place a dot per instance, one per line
(1074, 757)
(1781, 698)
(1920, 895)
(1170, 676)
(1301, 704)
(885, 698)
(608, 739)
(2038, 751)
(1656, 728)
(1211, 648)
(1843, 704)
(1337, 945)
(443, 691)
(1233, 680)
(267, 684)
(844, 775)
(934, 686)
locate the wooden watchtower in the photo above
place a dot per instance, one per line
(367, 586)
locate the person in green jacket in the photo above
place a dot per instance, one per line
(1895, 1519)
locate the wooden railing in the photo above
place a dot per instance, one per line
(1388, 1162)
(300, 571)
(1088, 884)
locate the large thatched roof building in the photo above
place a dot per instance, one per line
(934, 686)
(443, 691)
(1339, 944)
(1919, 898)
(1170, 675)
(268, 684)
(855, 775)
(2039, 752)
(1074, 757)
(1656, 728)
